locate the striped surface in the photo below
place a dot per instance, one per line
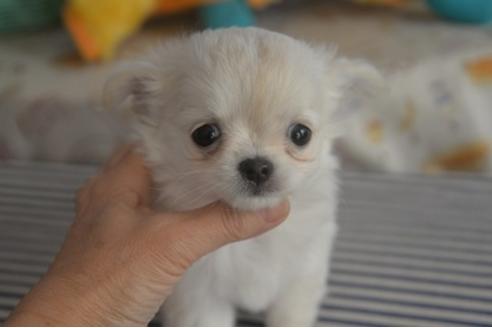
(411, 250)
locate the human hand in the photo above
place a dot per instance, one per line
(120, 259)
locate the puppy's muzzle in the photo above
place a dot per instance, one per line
(256, 172)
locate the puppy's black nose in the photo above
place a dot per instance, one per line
(256, 170)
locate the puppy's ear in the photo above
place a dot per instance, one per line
(358, 81)
(133, 88)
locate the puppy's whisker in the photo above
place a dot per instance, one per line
(198, 193)
(198, 200)
(184, 196)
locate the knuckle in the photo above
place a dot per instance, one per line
(173, 254)
(233, 224)
(115, 209)
(129, 197)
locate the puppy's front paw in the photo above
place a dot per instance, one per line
(295, 317)
(298, 305)
(199, 313)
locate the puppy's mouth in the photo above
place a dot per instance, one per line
(254, 197)
(254, 190)
(254, 202)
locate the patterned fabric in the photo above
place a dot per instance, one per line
(411, 250)
(431, 118)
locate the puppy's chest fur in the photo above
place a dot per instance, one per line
(254, 272)
(251, 274)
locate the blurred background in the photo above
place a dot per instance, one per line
(414, 246)
(436, 56)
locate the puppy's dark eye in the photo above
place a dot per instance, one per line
(206, 135)
(299, 134)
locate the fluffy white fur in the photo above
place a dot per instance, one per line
(254, 84)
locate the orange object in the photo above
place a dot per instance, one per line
(86, 44)
(260, 4)
(480, 70)
(468, 157)
(99, 26)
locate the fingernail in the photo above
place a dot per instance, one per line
(275, 214)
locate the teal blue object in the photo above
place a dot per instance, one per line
(466, 11)
(226, 14)
(28, 15)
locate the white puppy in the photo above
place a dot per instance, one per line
(245, 116)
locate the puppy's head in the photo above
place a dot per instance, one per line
(240, 115)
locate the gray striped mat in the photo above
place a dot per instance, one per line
(411, 250)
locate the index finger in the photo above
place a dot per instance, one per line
(126, 172)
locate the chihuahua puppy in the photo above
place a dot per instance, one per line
(246, 117)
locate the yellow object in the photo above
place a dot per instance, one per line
(374, 131)
(98, 26)
(469, 157)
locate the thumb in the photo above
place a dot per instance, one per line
(202, 231)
